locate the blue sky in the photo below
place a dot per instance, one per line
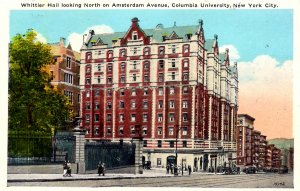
(251, 32)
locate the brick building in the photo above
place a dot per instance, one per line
(65, 73)
(273, 157)
(172, 82)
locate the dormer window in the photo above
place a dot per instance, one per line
(134, 35)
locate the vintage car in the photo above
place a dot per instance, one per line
(283, 170)
(250, 170)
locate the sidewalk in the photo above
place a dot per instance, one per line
(153, 173)
(59, 177)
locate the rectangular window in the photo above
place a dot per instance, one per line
(123, 66)
(145, 91)
(108, 131)
(160, 117)
(68, 78)
(134, 77)
(99, 67)
(145, 143)
(96, 117)
(146, 78)
(132, 130)
(109, 67)
(184, 130)
(184, 104)
(184, 117)
(109, 93)
(87, 106)
(173, 63)
(185, 76)
(159, 143)
(133, 92)
(97, 93)
(133, 117)
(160, 91)
(171, 130)
(132, 104)
(173, 76)
(122, 105)
(121, 130)
(96, 131)
(144, 130)
(109, 80)
(160, 77)
(145, 117)
(134, 65)
(122, 79)
(173, 49)
(108, 105)
(145, 104)
(68, 62)
(98, 79)
(172, 103)
(97, 105)
(122, 92)
(87, 117)
(161, 50)
(121, 117)
(87, 81)
(171, 144)
(184, 144)
(160, 104)
(160, 64)
(159, 130)
(185, 90)
(108, 117)
(172, 117)
(172, 90)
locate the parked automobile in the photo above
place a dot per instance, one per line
(283, 170)
(250, 170)
(227, 170)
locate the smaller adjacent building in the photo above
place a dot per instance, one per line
(253, 148)
(65, 74)
(273, 157)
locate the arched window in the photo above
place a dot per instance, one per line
(161, 50)
(146, 51)
(186, 48)
(109, 54)
(185, 63)
(122, 52)
(88, 56)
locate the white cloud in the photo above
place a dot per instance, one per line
(76, 39)
(265, 92)
(233, 52)
(41, 38)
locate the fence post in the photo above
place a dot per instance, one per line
(79, 148)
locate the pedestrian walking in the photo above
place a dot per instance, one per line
(172, 168)
(65, 168)
(190, 169)
(168, 168)
(101, 169)
(69, 170)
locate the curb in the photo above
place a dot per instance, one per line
(75, 179)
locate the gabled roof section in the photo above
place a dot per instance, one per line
(135, 28)
(173, 35)
(209, 44)
(156, 33)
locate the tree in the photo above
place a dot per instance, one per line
(33, 104)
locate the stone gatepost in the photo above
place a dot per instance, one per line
(79, 133)
(138, 141)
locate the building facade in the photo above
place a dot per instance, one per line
(273, 157)
(65, 74)
(172, 82)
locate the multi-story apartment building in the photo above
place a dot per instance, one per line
(273, 157)
(65, 73)
(172, 82)
(244, 140)
(262, 151)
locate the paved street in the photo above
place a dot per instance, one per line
(269, 180)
